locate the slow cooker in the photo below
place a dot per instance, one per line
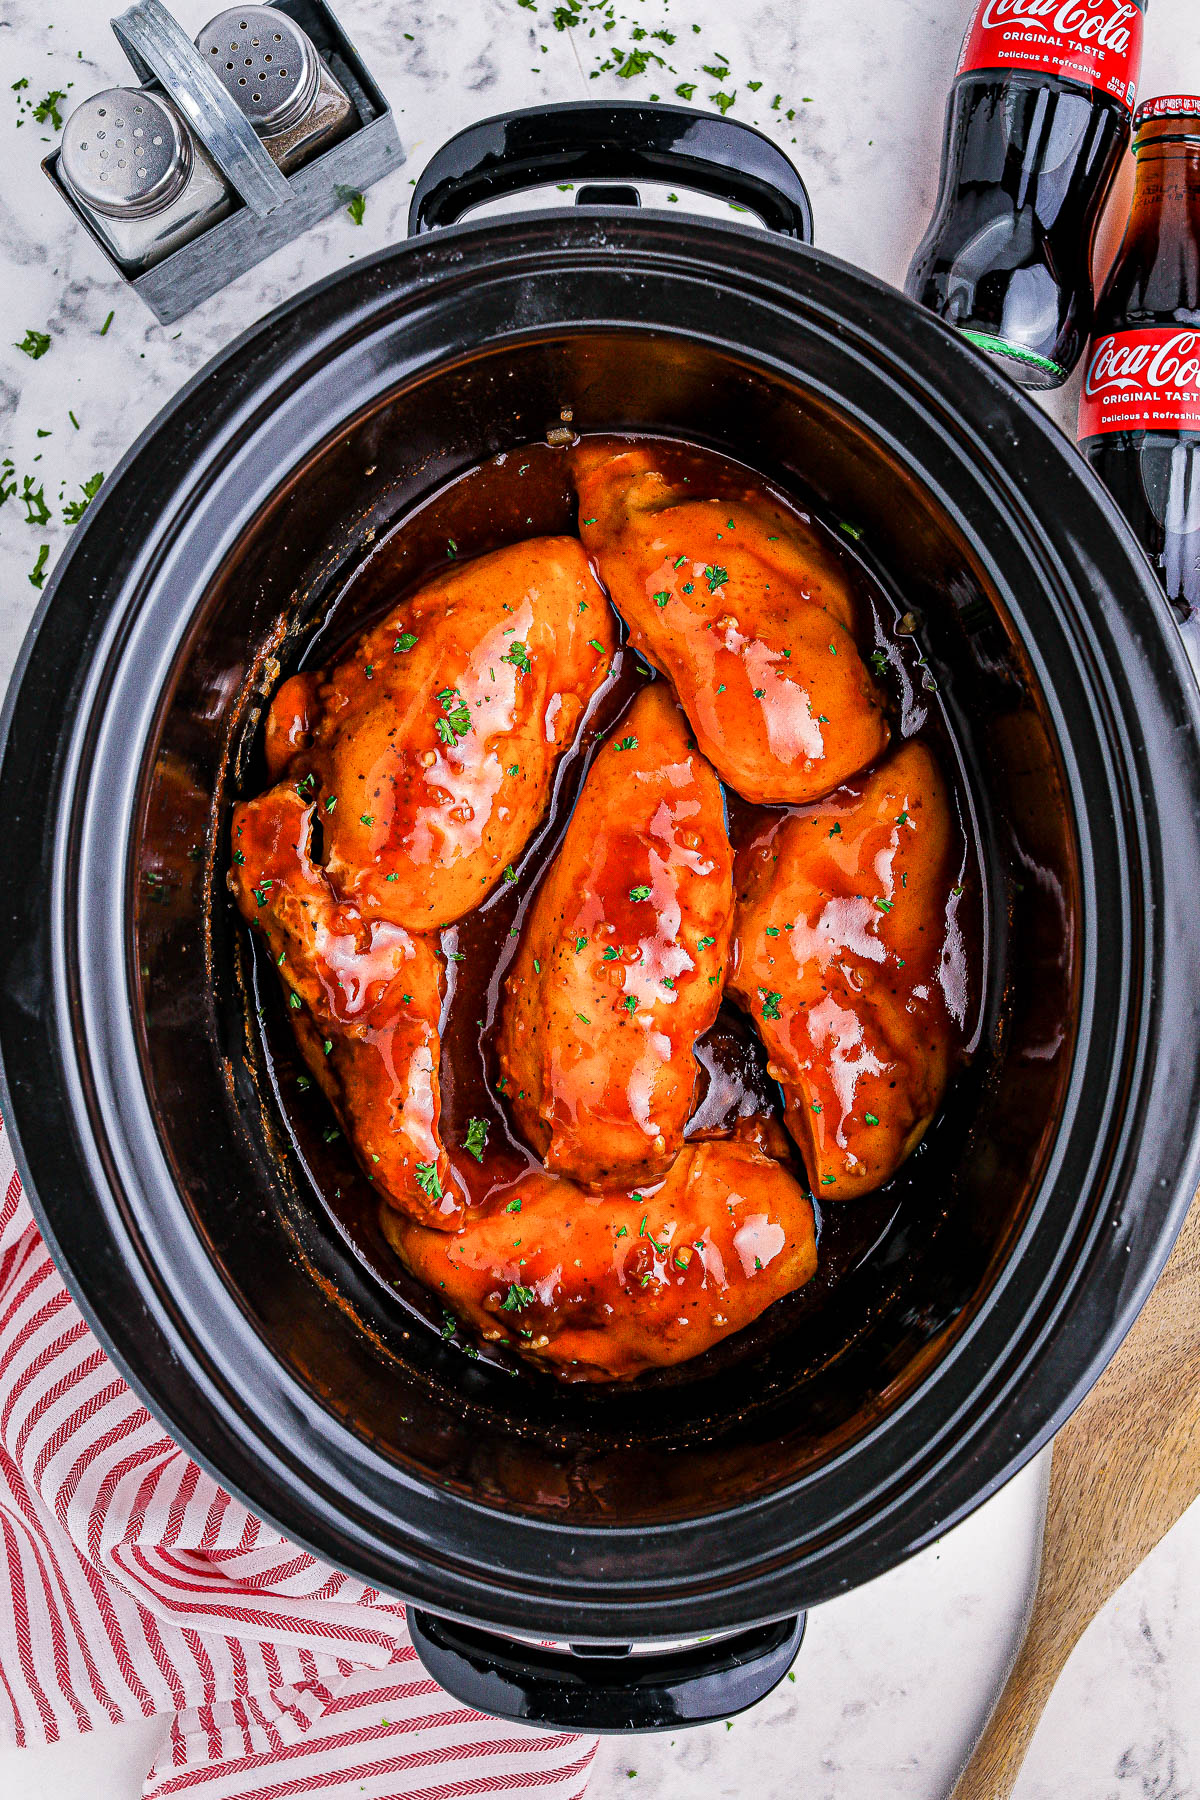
(696, 1515)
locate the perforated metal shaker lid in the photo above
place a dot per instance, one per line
(125, 153)
(267, 63)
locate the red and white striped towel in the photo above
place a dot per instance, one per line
(132, 1585)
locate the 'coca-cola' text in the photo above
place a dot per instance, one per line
(1096, 42)
(1143, 380)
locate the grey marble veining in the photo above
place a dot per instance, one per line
(892, 1680)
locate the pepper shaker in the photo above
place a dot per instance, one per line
(137, 172)
(271, 69)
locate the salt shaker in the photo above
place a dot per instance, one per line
(272, 70)
(144, 182)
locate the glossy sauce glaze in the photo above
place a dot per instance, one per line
(509, 499)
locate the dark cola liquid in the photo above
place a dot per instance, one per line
(1028, 161)
(1155, 480)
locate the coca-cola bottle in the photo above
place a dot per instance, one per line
(1038, 119)
(1139, 413)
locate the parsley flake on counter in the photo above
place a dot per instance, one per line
(37, 574)
(475, 1142)
(106, 324)
(47, 108)
(356, 206)
(74, 510)
(34, 501)
(34, 343)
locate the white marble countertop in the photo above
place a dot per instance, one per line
(892, 1680)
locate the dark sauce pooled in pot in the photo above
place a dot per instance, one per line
(525, 494)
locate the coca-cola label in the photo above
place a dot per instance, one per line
(1147, 380)
(1098, 42)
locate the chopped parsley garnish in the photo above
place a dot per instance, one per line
(514, 1205)
(596, 645)
(303, 1082)
(517, 1298)
(679, 561)
(902, 818)
(510, 874)
(626, 743)
(427, 1180)
(404, 642)
(305, 785)
(772, 931)
(330, 803)
(817, 1107)
(331, 1133)
(885, 906)
(870, 1118)
(660, 599)
(34, 343)
(770, 1009)
(639, 893)
(518, 656)
(835, 830)
(451, 549)
(260, 893)
(715, 576)
(294, 1001)
(705, 942)
(630, 1004)
(610, 955)
(475, 1142)
(879, 661)
(457, 720)
(366, 818)
(580, 943)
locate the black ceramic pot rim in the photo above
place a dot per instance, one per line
(1002, 1388)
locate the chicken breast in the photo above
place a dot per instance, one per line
(365, 999)
(622, 958)
(602, 1288)
(748, 614)
(431, 747)
(843, 933)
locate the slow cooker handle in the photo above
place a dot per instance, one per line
(605, 1687)
(622, 139)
